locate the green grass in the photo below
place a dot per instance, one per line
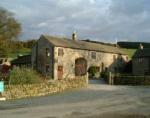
(23, 51)
(130, 52)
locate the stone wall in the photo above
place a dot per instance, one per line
(54, 86)
(132, 80)
(109, 61)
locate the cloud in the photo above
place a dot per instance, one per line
(43, 24)
(92, 1)
(103, 20)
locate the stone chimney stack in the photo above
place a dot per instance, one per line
(74, 36)
(141, 46)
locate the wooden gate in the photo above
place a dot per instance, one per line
(60, 72)
(80, 67)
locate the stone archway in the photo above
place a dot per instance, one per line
(80, 67)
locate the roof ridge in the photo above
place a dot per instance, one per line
(80, 44)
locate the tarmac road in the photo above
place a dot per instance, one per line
(96, 101)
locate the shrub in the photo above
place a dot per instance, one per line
(23, 76)
(104, 75)
(92, 70)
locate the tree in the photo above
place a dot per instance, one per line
(9, 30)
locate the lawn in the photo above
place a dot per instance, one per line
(130, 52)
(23, 51)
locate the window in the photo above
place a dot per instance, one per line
(47, 52)
(140, 59)
(93, 55)
(114, 57)
(60, 52)
(1, 61)
(120, 58)
(47, 68)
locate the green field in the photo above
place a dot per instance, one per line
(23, 51)
(130, 52)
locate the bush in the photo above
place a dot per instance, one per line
(23, 76)
(92, 70)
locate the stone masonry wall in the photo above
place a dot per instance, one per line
(54, 86)
(70, 55)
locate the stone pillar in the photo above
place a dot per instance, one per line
(110, 78)
(87, 78)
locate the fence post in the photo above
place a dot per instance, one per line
(109, 78)
(87, 78)
(112, 80)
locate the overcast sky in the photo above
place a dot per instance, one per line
(103, 20)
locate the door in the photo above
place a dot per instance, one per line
(60, 72)
(80, 67)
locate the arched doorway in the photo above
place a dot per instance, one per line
(80, 67)
(94, 72)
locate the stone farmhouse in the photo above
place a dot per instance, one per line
(67, 58)
(141, 62)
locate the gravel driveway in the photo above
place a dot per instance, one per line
(95, 101)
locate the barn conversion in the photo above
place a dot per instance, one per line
(67, 58)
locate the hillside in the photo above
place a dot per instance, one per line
(130, 52)
(22, 51)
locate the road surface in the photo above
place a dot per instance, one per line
(95, 101)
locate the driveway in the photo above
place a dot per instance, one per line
(95, 101)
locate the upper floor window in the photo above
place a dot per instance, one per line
(60, 52)
(93, 55)
(114, 57)
(47, 52)
(140, 59)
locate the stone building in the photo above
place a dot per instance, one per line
(67, 58)
(141, 62)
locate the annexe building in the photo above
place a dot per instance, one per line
(141, 62)
(67, 58)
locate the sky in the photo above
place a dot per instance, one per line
(101, 20)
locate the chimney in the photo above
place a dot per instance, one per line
(74, 36)
(141, 46)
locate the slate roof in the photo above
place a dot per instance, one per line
(83, 45)
(142, 53)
